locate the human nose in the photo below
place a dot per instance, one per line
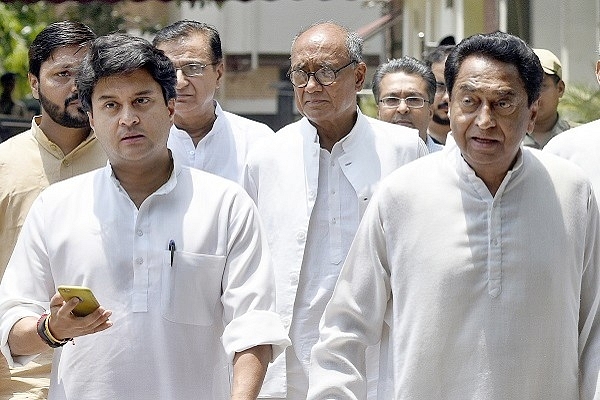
(129, 116)
(485, 118)
(445, 97)
(73, 85)
(181, 79)
(312, 85)
(402, 107)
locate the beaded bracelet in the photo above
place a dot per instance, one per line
(43, 331)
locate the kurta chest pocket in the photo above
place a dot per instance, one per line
(191, 287)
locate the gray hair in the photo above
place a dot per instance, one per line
(408, 65)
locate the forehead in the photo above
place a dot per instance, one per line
(322, 44)
(438, 70)
(65, 57)
(193, 47)
(486, 75)
(397, 82)
(125, 86)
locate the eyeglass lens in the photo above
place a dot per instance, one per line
(411, 102)
(192, 69)
(325, 76)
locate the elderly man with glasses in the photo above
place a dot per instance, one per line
(404, 91)
(311, 184)
(204, 136)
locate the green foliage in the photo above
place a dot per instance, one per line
(366, 103)
(580, 103)
(103, 18)
(19, 25)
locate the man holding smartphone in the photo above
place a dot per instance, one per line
(175, 256)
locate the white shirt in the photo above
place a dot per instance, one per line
(433, 146)
(224, 149)
(580, 145)
(488, 297)
(176, 327)
(332, 226)
(284, 177)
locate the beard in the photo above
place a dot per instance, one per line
(62, 116)
(439, 120)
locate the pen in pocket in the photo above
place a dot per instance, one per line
(172, 249)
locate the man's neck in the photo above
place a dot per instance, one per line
(67, 139)
(198, 126)
(334, 131)
(544, 126)
(438, 132)
(143, 179)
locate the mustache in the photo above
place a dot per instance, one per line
(70, 99)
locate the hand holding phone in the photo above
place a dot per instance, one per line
(88, 302)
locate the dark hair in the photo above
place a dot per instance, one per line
(58, 34)
(117, 54)
(187, 28)
(502, 47)
(408, 65)
(438, 54)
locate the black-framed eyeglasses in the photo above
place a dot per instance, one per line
(193, 69)
(440, 87)
(325, 76)
(411, 102)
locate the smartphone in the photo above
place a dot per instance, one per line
(88, 301)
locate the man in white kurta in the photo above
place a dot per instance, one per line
(168, 320)
(175, 256)
(495, 311)
(312, 183)
(311, 202)
(492, 295)
(224, 149)
(203, 135)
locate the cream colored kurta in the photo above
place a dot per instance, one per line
(489, 298)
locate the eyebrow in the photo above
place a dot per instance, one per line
(469, 87)
(138, 94)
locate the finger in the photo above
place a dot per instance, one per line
(96, 318)
(56, 301)
(69, 306)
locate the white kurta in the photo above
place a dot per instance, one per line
(224, 149)
(580, 145)
(488, 297)
(176, 327)
(283, 177)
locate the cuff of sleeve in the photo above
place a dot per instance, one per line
(255, 328)
(8, 320)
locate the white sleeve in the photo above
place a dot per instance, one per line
(589, 310)
(248, 285)
(27, 284)
(354, 317)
